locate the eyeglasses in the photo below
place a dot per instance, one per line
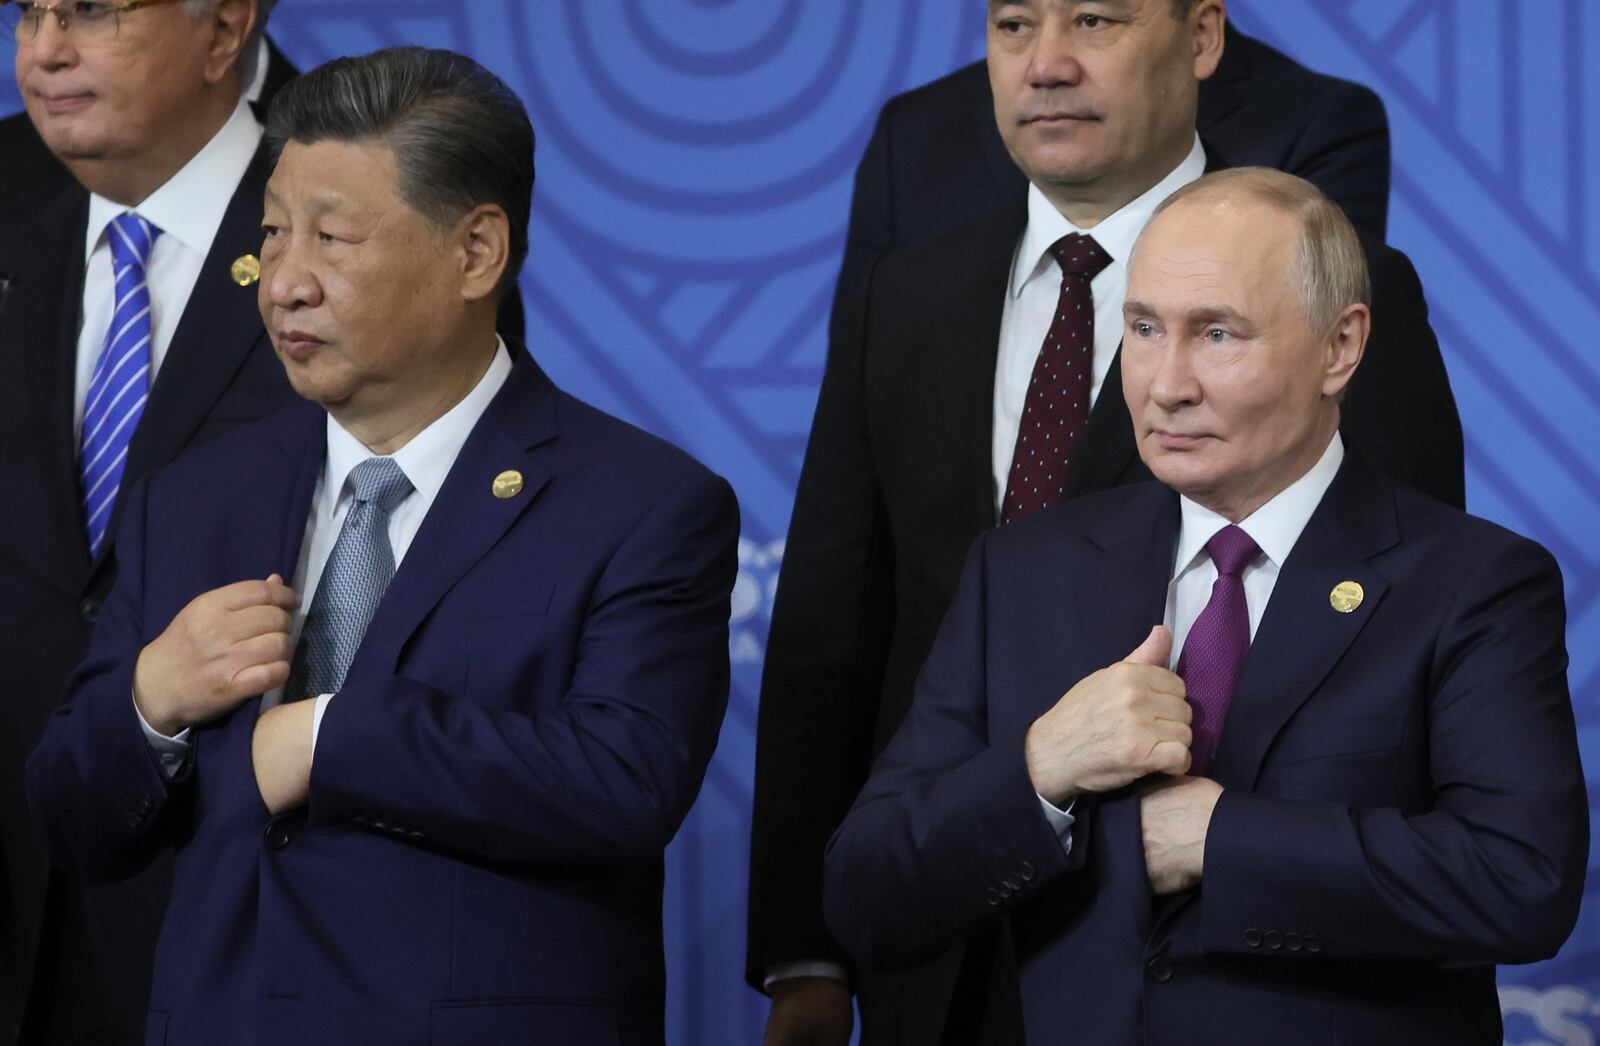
(90, 21)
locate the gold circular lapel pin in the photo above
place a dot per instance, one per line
(246, 270)
(507, 485)
(1346, 596)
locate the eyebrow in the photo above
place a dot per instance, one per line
(321, 203)
(1202, 314)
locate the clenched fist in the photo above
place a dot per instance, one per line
(227, 645)
(1118, 725)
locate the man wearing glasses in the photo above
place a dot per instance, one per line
(128, 335)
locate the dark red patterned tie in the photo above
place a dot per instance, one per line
(1056, 409)
(1219, 639)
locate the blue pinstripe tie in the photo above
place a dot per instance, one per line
(120, 383)
(353, 581)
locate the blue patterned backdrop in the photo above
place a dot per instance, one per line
(695, 159)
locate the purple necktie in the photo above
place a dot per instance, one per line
(1218, 640)
(1056, 409)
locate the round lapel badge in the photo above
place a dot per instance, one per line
(1346, 596)
(246, 270)
(507, 485)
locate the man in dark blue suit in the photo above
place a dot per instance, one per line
(1334, 784)
(421, 676)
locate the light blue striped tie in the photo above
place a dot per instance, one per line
(121, 380)
(353, 581)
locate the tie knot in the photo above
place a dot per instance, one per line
(131, 239)
(381, 483)
(1078, 253)
(1231, 549)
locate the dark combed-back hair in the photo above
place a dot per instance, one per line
(461, 138)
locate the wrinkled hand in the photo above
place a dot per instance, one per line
(809, 1011)
(1114, 727)
(1176, 813)
(227, 645)
(280, 748)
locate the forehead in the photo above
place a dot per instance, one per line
(334, 172)
(1215, 245)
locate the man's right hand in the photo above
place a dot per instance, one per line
(227, 645)
(809, 1011)
(1118, 725)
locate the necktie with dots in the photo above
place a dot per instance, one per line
(1056, 408)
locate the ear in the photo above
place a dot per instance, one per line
(1346, 344)
(1207, 20)
(485, 243)
(230, 23)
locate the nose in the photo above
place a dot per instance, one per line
(50, 47)
(1173, 384)
(288, 280)
(1055, 54)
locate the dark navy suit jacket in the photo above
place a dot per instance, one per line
(1403, 803)
(524, 727)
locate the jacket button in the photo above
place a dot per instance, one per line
(1025, 873)
(1273, 939)
(1159, 969)
(1291, 941)
(278, 835)
(1313, 943)
(89, 609)
(1252, 938)
(992, 897)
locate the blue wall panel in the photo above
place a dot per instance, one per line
(695, 161)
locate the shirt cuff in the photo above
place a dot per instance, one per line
(1061, 820)
(788, 971)
(316, 721)
(171, 752)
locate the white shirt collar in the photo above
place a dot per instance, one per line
(1275, 526)
(189, 207)
(1115, 234)
(427, 457)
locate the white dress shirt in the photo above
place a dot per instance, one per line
(425, 459)
(1035, 288)
(188, 210)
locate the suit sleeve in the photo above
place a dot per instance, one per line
(607, 777)
(823, 677)
(1399, 410)
(1345, 153)
(948, 832)
(95, 785)
(1493, 870)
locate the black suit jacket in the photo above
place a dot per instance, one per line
(936, 162)
(897, 483)
(220, 371)
(1403, 802)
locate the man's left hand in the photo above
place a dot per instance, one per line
(1175, 812)
(281, 751)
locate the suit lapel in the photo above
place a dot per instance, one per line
(1122, 593)
(1301, 636)
(41, 325)
(466, 519)
(220, 325)
(970, 349)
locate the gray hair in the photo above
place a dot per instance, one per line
(461, 137)
(1329, 266)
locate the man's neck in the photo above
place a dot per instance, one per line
(131, 181)
(384, 432)
(1086, 206)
